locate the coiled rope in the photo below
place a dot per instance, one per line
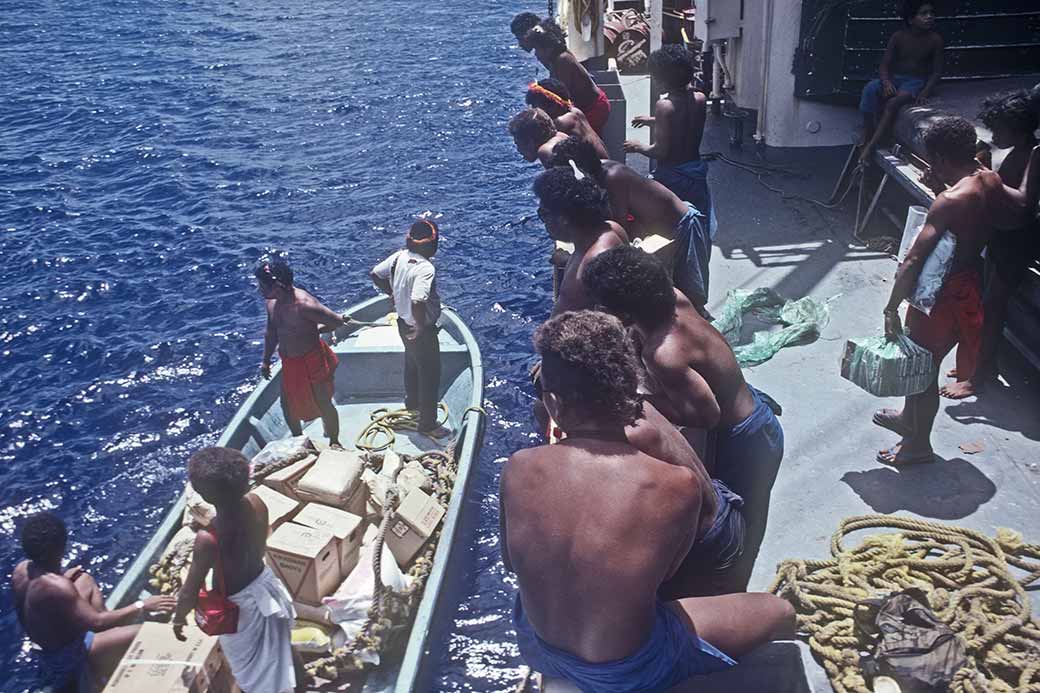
(966, 576)
(385, 421)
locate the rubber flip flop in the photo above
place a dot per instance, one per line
(886, 418)
(901, 459)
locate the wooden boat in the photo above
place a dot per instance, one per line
(369, 376)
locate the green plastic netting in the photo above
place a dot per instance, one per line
(802, 321)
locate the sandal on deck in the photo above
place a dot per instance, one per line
(895, 457)
(889, 419)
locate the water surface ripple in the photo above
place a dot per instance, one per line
(149, 152)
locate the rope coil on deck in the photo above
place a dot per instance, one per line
(968, 582)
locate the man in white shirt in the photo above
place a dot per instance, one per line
(410, 278)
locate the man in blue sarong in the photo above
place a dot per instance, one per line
(592, 527)
(678, 123)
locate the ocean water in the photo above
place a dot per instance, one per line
(149, 153)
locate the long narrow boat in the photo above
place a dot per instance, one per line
(370, 376)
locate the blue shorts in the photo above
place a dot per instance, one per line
(671, 655)
(689, 182)
(58, 668)
(870, 101)
(693, 252)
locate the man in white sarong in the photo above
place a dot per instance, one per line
(260, 650)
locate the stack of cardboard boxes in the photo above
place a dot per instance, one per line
(157, 662)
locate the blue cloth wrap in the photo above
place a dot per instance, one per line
(70, 663)
(870, 101)
(692, 255)
(689, 182)
(720, 547)
(671, 655)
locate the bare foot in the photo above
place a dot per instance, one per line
(892, 419)
(437, 432)
(335, 445)
(896, 456)
(958, 390)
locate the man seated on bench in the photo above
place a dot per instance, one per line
(592, 527)
(909, 71)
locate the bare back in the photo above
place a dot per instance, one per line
(575, 123)
(573, 295)
(43, 602)
(566, 68)
(242, 541)
(685, 125)
(691, 343)
(656, 208)
(592, 528)
(968, 208)
(295, 322)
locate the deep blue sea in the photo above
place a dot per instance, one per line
(150, 151)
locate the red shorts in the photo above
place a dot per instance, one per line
(302, 375)
(599, 112)
(956, 318)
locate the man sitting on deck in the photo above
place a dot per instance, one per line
(295, 321)
(63, 612)
(535, 135)
(974, 206)
(552, 96)
(645, 207)
(695, 380)
(909, 70)
(592, 527)
(259, 650)
(550, 47)
(410, 278)
(678, 123)
(575, 211)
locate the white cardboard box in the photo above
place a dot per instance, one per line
(417, 518)
(348, 529)
(332, 479)
(280, 508)
(307, 561)
(284, 480)
(157, 662)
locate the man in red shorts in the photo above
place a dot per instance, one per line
(976, 203)
(295, 321)
(550, 47)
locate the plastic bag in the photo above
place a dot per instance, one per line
(803, 320)
(281, 453)
(933, 274)
(888, 369)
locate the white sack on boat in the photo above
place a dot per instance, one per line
(260, 653)
(350, 603)
(283, 452)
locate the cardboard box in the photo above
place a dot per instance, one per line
(196, 509)
(417, 518)
(348, 529)
(280, 509)
(307, 561)
(332, 479)
(156, 662)
(284, 480)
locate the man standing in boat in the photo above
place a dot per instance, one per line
(410, 279)
(63, 612)
(592, 527)
(295, 321)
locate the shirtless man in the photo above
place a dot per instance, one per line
(695, 379)
(909, 70)
(575, 211)
(592, 527)
(550, 47)
(976, 203)
(233, 546)
(295, 320)
(646, 207)
(678, 123)
(63, 612)
(521, 24)
(535, 134)
(552, 96)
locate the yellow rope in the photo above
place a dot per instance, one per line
(969, 585)
(385, 421)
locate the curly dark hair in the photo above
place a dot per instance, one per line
(44, 537)
(952, 137)
(537, 100)
(581, 152)
(522, 23)
(581, 201)
(1018, 110)
(273, 268)
(672, 65)
(631, 284)
(220, 475)
(588, 362)
(909, 8)
(548, 36)
(532, 125)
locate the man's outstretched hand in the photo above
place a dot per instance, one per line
(893, 325)
(265, 371)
